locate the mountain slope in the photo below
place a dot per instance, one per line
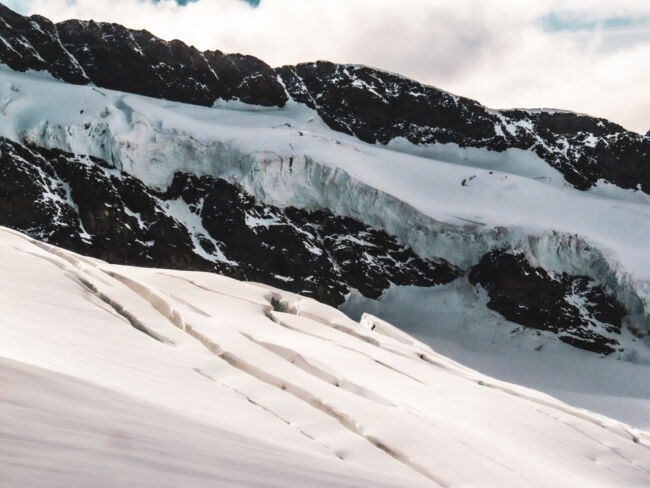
(103, 438)
(207, 368)
(488, 234)
(201, 223)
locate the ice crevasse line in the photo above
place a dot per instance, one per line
(87, 272)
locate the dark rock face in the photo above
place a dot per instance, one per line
(34, 43)
(33, 199)
(580, 312)
(85, 205)
(81, 204)
(595, 149)
(372, 105)
(376, 106)
(114, 57)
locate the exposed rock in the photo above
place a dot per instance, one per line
(34, 43)
(574, 307)
(136, 61)
(377, 106)
(114, 57)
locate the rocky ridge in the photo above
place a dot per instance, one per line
(83, 204)
(370, 104)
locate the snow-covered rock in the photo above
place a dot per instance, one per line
(204, 223)
(411, 220)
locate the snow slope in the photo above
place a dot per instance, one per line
(116, 376)
(454, 321)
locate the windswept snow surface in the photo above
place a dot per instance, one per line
(121, 376)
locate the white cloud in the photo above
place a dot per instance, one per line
(494, 51)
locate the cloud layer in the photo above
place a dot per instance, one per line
(585, 55)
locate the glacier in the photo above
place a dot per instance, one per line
(287, 156)
(452, 238)
(440, 200)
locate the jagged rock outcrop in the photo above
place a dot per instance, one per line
(582, 313)
(377, 106)
(112, 56)
(370, 104)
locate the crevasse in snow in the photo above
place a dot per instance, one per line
(241, 384)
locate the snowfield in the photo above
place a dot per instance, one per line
(122, 376)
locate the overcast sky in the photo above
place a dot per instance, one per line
(590, 56)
